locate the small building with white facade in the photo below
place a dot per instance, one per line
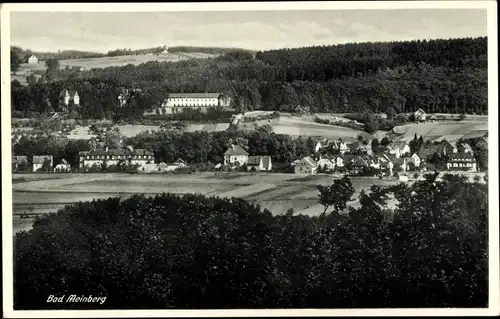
(235, 156)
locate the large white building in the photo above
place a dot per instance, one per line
(178, 102)
(115, 156)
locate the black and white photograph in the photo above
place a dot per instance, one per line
(271, 158)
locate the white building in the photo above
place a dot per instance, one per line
(68, 96)
(64, 166)
(32, 60)
(400, 149)
(115, 156)
(39, 160)
(178, 102)
(235, 155)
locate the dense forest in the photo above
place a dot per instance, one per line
(442, 76)
(196, 252)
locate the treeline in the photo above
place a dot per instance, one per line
(169, 145)
(442, 76)
(208, 50)
(60, 55)
(119, 52)
(197, 252)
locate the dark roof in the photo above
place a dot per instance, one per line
(254, 160)
(360, 161)
(458, 157)
(236, 150)
(117, 151)
(40, 159)
(194, 95)
(347, 158)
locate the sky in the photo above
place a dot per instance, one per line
(255, 30)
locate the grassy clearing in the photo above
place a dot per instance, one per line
(435, 130)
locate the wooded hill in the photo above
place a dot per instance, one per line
(445, 76)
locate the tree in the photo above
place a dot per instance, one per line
(52, 65)
(375, 143)
(385, 141)
(15, 61)
(31, 79)
(336, 195)
(194, 251)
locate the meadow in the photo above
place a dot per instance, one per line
(121, 60)
(452, 131)
(276, 192)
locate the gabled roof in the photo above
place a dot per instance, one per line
(236, 150)
(309, 161)
(194, 95)
(400, 144)
(40, 159)
(360, 161)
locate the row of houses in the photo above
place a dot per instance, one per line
(40, 163)
(357, 156)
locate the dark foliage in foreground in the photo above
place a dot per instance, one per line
(199, 252)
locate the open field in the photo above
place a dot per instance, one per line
(434, 130)
(277, 192)
(306, 126)
(121, 60)
(298, 126)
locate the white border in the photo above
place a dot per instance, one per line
(490, 6)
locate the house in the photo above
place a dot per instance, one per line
(359, 163)
(464, 148)
(235, 155)
(344, 160)
(373, 161)
(306, 165)
(19, 161)
(338, 146)
(400, 164)
(64, 166)
(420, 115)
(446, 148)
(426, 152)
(66, 97)
(148, 168)
(461, 161)
(32, 59)
(178, 102)
(400, 149)
(40, 160)
(326, 162)
(415, 160)
(259, 163)
(127, 156)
